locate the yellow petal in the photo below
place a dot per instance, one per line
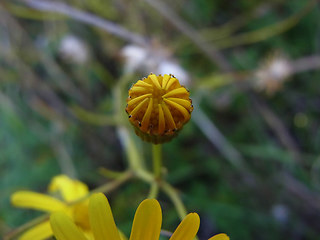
(80, 215)
(180, 108)
(38, 232)
(139, 107)
(70, 189)
(101, 219)
(139, 90)
(168, 116)
(155, 80)
(143, 84)
(138, 99)
(188, 228)
(171, 82)
(146, 118)
(147, 221)
(38, 201)
(221, 236)
(165, 80)
(64, 229)
(182, 102)
(162, 123)
(174, 92)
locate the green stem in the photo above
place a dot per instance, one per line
(107, 173)
(154, 190)
(157, 160)
(28, 225)
(135, 159)
(173, 195)
(110, 186)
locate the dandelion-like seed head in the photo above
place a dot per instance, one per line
(273, 72)
(158, 107)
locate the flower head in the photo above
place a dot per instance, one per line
(67, 191)
(146, 224)
(158, 107)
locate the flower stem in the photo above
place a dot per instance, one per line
(154, 190)
(26, 226)
(173, 195)
(157, 160)
(110, 186)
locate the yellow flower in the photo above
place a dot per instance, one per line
(70, 190)
(146, 224)
(158, 107)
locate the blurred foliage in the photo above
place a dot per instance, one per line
(57, 115)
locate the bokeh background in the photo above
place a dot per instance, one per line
(248, 162)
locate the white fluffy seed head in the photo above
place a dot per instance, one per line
(73, 50)
(273, 72)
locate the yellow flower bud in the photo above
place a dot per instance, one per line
(158, 107)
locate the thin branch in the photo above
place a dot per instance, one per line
(58, 145)
(277, 126)
(305, 64)
(310, 198)
(88, 18)
(208, 128)
(215, 80)
(173, 194)
(213, 134)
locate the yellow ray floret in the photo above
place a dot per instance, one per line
(177, 106)
(158, 107)
(68, 190)
(138, 89)
(40, 231)
(174, 92)
(155, 81)
(60, 222)
(221, 236)
(139, 107)
(38, 201)
(188, 228)
(171, 82)
(162, 122)
(146, 117)
(183, 102)
(136, 100)
(101, 218)
(143, 84)
(165, 80)
(146, 223)
(168, 116)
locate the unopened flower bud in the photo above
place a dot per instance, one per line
(158, 107)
